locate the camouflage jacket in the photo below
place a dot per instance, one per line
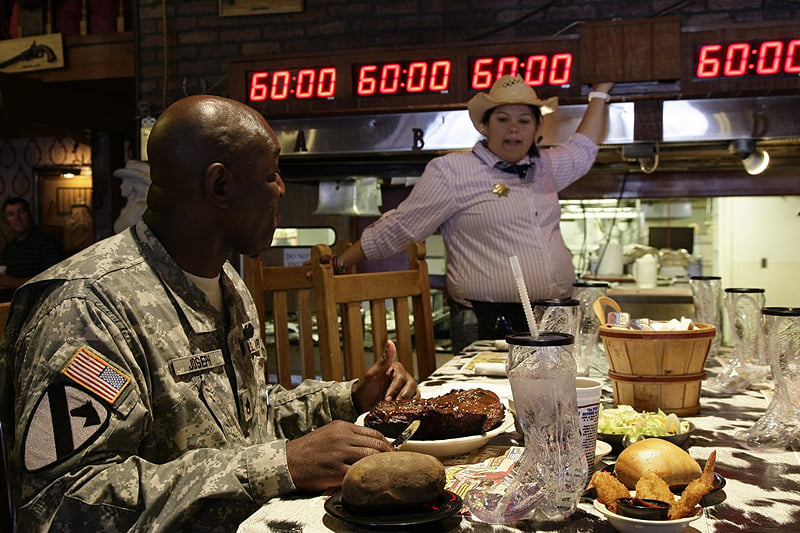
(135, 405)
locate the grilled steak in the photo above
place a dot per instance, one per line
(456, 414)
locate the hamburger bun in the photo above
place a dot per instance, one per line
(393, 479)
(672, 463)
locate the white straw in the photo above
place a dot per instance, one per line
(523, 295)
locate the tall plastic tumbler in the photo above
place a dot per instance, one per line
(707, 297)
(587, 350)
(779, 426)
(748, 366)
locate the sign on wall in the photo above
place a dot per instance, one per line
(37, 52)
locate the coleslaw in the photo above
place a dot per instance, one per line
(625, 420)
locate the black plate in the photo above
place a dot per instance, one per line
(719, 481)
(443, 507)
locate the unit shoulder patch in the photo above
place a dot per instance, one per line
(65, 420)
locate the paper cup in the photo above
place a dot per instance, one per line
(3, 269)
(588, 392)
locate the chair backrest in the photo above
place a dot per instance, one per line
(276, 284)
(343, 294)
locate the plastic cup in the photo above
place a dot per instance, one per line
(588, 391)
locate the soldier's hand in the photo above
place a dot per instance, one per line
(385, 380)
(319, 460)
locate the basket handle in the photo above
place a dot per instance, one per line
(598, 307)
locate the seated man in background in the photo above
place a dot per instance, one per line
(133, 374)
(30, 252)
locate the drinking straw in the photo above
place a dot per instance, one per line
(523, 295)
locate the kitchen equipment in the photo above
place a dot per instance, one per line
(645, 271)
(357, 196)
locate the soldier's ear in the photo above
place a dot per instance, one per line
(216, 181)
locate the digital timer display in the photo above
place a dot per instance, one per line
(747, 59)
(423, 76)
(536, 69)
(286, 84)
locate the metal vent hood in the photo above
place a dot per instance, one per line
(696, 135)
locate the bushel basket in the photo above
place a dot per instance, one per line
(652, 370)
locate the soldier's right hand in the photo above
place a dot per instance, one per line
(318, 461)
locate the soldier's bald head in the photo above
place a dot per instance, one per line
(196, 131)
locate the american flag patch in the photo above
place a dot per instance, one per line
(90, 370)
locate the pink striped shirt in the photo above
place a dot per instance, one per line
(482, 229)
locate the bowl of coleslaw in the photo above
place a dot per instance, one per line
(624, 425)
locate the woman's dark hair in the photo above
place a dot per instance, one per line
(537, 116)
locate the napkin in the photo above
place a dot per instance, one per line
(487, 364)
(490, 369)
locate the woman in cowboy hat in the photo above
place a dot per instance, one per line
(496, 201)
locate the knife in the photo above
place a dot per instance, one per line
(406, 434)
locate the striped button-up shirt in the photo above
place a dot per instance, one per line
(487, 215)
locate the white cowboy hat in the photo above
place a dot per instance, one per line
(507, 90)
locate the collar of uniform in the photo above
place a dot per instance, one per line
(482, 152)
(190, 301)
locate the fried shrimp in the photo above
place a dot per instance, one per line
(609, 488)
(651, 486)
(695, 491)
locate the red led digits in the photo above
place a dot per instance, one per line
(792, 65)
(403, 77)
(535, 69)
(305, 83)
(738, 59)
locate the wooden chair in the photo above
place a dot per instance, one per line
(346, 292)
(277, 283)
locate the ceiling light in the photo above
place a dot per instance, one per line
(757, 162)
(754, 159)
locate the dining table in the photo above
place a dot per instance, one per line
(760, 488)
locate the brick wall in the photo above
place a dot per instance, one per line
(198, 43)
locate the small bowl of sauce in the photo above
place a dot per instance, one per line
(642, 508)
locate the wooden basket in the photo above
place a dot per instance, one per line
(652, 370)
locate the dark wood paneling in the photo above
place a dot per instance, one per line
(631, 50)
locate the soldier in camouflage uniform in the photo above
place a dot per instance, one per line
(132, 374)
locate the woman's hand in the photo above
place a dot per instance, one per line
(603, 86)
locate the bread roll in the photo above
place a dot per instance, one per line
(392, 479)
(672, 463)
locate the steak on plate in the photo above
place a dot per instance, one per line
(459, 413)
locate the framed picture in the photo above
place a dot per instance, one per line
(241, 8)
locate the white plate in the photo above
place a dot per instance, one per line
(634, 525)
(451, 447)
(601, 449)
